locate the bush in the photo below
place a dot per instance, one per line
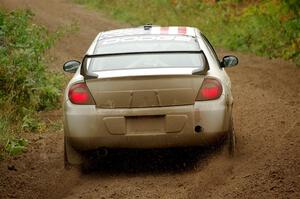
(24, 82)
(26, 86)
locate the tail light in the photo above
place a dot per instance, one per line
(80, 94)
(211, 89)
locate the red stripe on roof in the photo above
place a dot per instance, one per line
(182, 30)
(164, 30)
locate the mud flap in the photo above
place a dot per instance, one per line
(71, 156)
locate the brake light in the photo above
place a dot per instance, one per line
(210, 89)
(80, 94)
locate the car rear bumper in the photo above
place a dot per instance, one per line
(88, 127)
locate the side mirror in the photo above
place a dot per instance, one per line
(71, 66)
(229, 61)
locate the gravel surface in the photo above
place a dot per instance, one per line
(267, 123)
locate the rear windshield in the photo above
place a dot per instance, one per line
(148, 60)
(150, 51)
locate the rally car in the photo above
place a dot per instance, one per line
(147, 87)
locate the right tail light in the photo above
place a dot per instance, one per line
(211, 89)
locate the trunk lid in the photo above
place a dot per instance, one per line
(145, 91)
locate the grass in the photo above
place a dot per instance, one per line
(267, 28)
(26, 86)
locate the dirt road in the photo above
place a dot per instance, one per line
(267, 121)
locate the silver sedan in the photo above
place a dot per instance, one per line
(147, 87)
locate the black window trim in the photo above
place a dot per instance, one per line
(211, 48)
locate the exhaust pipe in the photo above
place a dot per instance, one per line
(198, 129)
(102, 152)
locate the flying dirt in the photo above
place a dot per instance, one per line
(267, 123)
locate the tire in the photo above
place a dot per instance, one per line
(231, 139)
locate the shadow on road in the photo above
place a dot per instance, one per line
(150, 161)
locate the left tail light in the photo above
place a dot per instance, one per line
(80, 94)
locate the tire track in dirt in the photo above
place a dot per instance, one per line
(267, 122)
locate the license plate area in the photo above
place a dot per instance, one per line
(136, 125)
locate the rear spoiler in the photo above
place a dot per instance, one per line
(89, 75)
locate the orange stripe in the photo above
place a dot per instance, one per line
(164, 30)
(182, 30)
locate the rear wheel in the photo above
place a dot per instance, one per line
(231, 139)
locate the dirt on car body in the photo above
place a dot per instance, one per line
(267, 122)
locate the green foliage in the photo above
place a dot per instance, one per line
(4, 133)
(269, 28)
(9, 144)
(16, 146)
(26, 86)
(30, 122)
(23, 78)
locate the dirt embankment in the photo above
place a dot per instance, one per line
(267, 121)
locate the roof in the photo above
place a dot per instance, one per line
(149, 30)
(145, 38)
